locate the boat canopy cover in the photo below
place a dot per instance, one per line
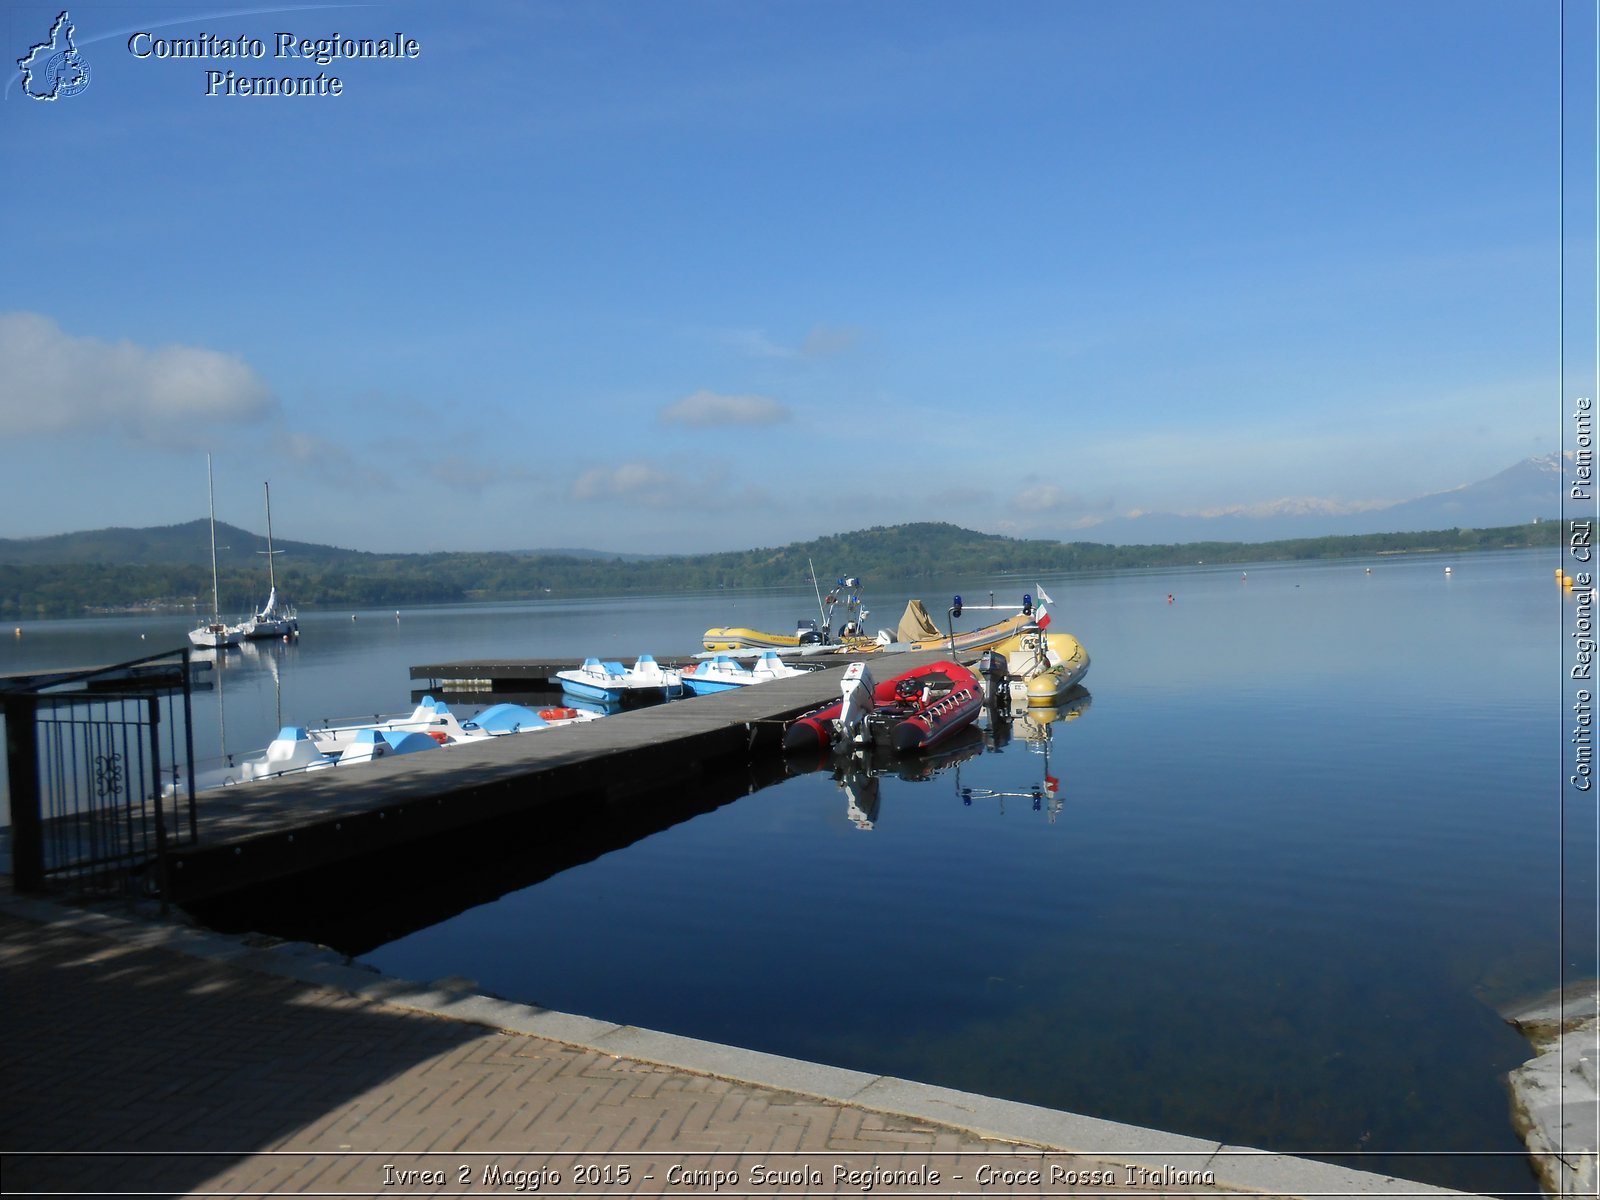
(293, 744)
(508, 718)
(408, 742)
(916, 625)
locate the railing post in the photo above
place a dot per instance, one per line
(22, 771)
(152, 779)
(188, 735)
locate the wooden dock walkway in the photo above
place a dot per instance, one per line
(252, 833)
(537, 674)
(498, 674)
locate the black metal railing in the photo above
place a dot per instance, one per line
(99, 770)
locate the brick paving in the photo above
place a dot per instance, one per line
(139, 1070)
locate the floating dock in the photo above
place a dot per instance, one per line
(510, 674)
(254, 833)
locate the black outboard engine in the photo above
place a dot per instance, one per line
(807, 633)
(993, 670)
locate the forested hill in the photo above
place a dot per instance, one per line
(188, 544)
(115, 569)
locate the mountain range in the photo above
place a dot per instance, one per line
(189, 545)
(1527, 491)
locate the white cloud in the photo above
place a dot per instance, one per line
(1043, 497)
(57, 383)
(703, 409)
(647, 485)
(1054, 499)
(1298, 506)
(635, 483)
(332, 463)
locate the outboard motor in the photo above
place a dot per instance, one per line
(996, 674)
(858, 704)
(807, 633)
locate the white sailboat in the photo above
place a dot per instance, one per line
(271, 621)
(213, 633)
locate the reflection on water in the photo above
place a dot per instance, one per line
(857, 770)
(1278, 877)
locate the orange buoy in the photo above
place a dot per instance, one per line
(558, 714)
(439, 736)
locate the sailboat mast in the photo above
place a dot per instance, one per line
(272, 579)
(211, 503)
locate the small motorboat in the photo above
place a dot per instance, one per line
(912, 712)
(611, 683)
(719, 674)
(771, 666)
(808, 637)
(918, 631)
(1040, 667)
(722, 674)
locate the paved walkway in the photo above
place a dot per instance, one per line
(143, 1057)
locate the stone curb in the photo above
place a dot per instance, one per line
(1235, 1168)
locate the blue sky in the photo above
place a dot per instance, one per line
(673, 275)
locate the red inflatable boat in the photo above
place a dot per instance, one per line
(913, 711)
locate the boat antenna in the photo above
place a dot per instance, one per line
(818, 587)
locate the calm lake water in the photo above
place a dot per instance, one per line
(1309, 835)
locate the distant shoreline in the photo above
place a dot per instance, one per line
(114, 580)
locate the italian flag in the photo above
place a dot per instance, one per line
(1041, 614)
